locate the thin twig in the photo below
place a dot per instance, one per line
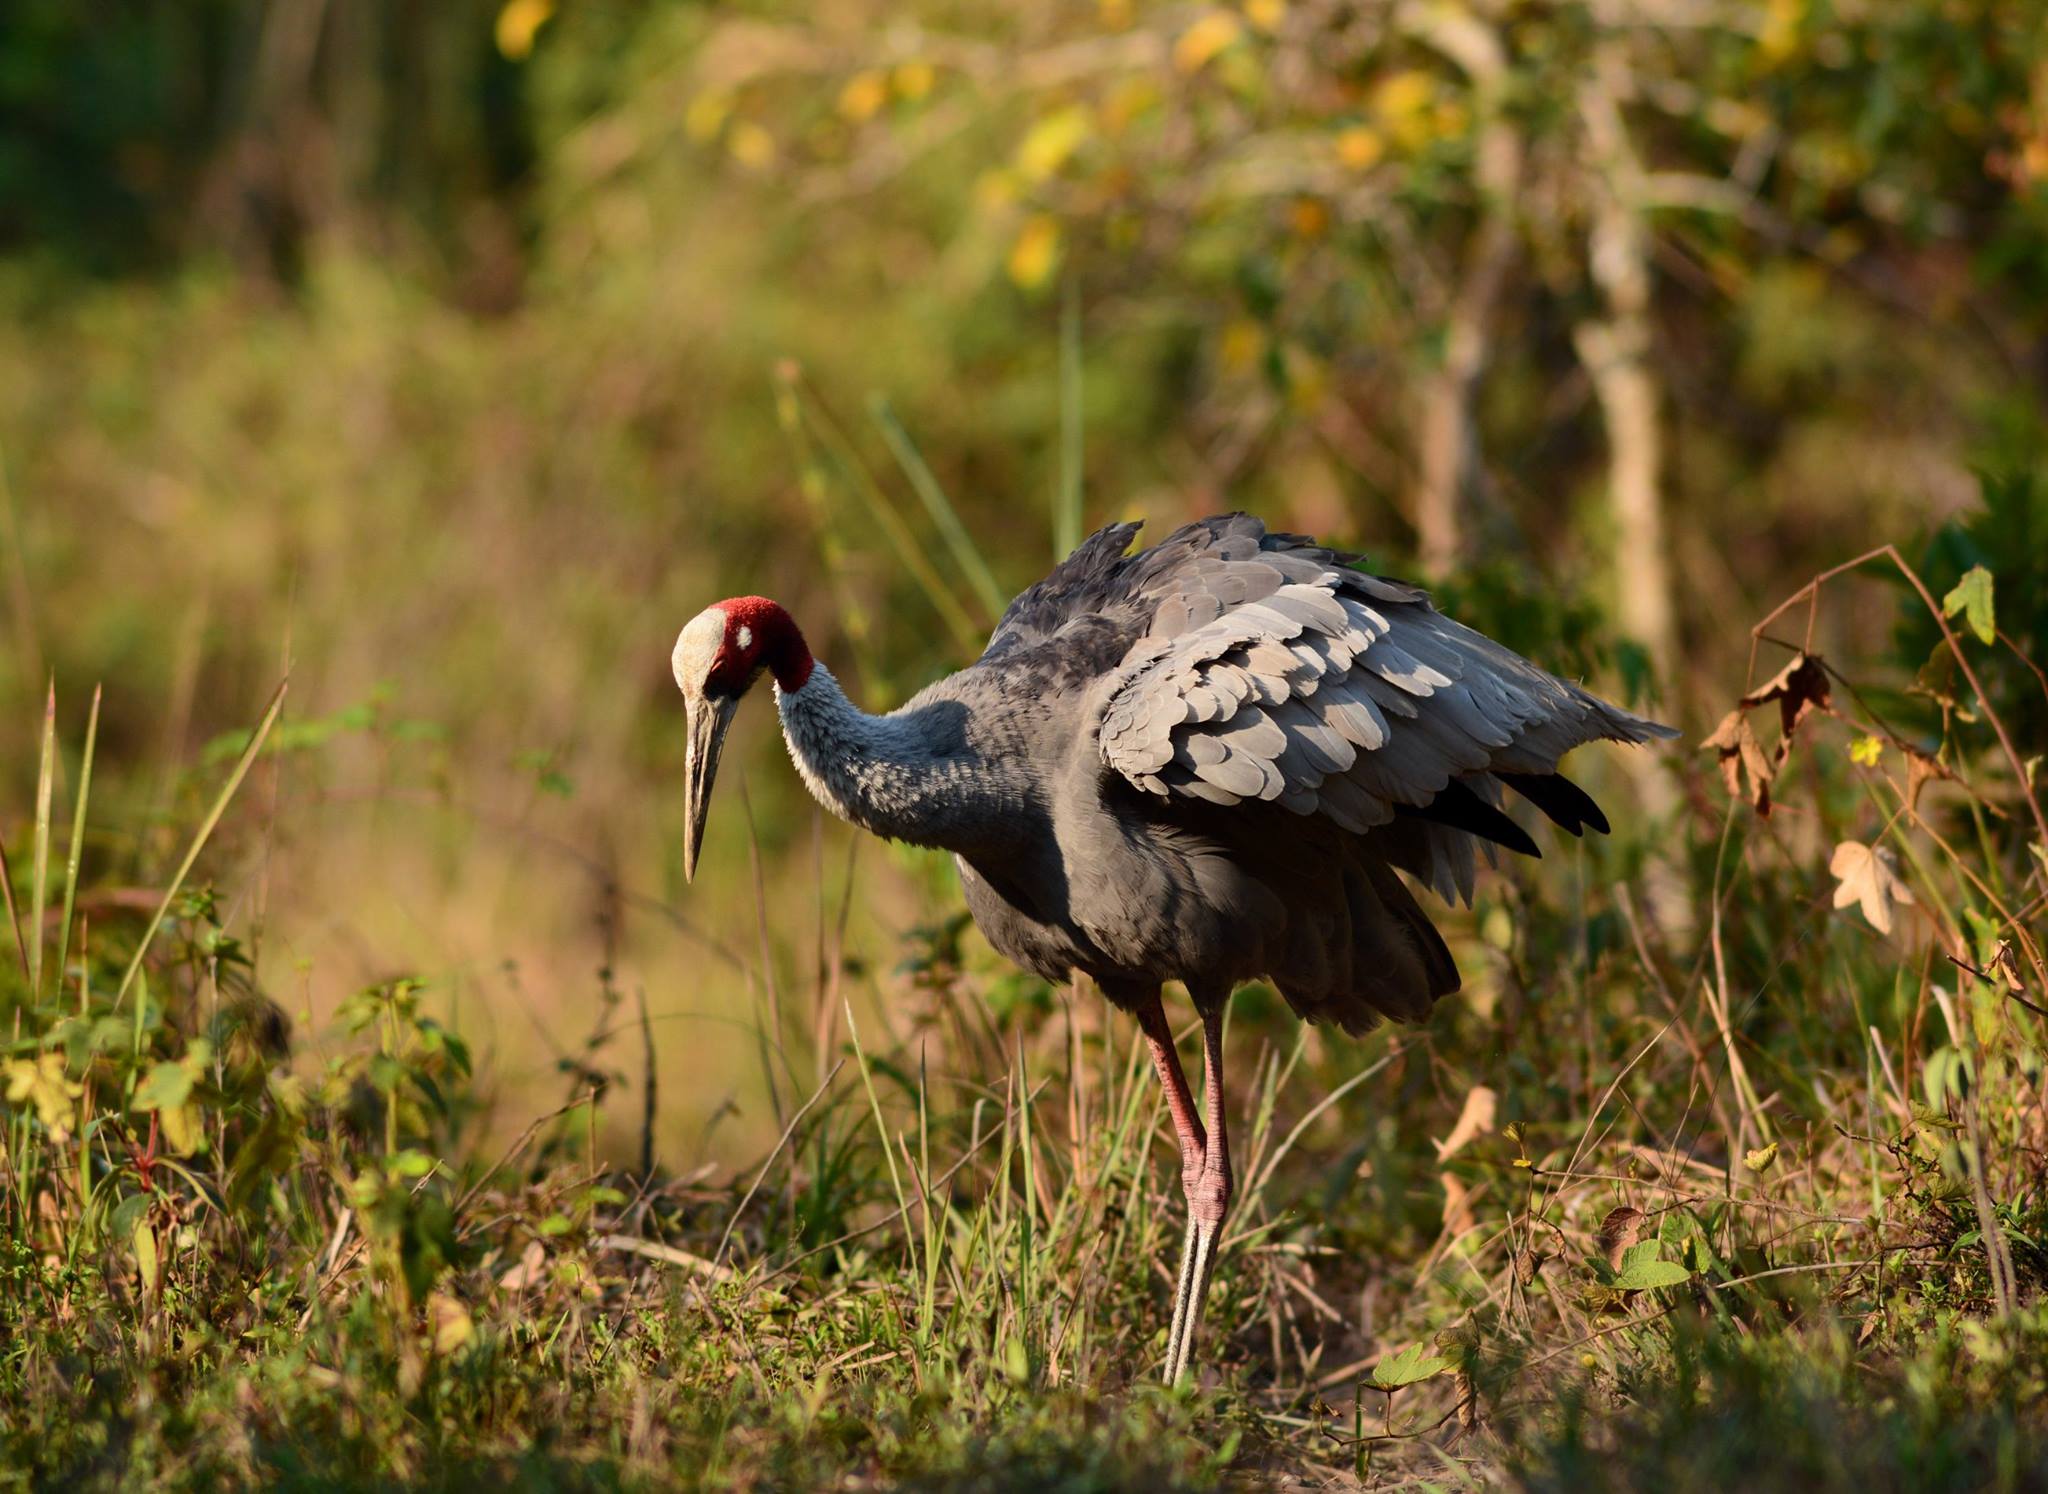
(667, 1254)
(787, 1132)
(525, 1137)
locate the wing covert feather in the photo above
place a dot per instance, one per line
(1273, 671)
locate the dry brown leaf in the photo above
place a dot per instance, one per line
(1620, 1229)
(1871, 878)
(2006, 965)
(1468, 1402)
(1476, 1119)
(1527, 1263)
(449, 1322)
(1919, 769)
(1740, 751)
(1800, 688)
(1458, 1216)
(527, 1272)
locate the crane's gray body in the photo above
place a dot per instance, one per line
(1206, 760)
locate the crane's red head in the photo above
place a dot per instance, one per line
(726, 646)
(717, 658)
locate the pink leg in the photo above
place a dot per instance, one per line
(1180, 1104)
(1204, 1166)
(1212, 1195)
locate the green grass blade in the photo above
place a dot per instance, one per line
(881, 1131)
(813, 483)
(92, 736)
(840, 449)
(934, 1237)
(966, 554)
(1027, 1242)
(39, 864)
(1066, 514)
(205, 832)
(13, 913)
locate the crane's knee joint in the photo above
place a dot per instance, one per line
(1209, 1195)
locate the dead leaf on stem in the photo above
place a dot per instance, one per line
(1869, 877)
(1740, 753)
(1476, 1119)
(1919, 769)
(1800, 689)
(1618, 1231)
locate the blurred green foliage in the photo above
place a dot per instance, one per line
(453, 355)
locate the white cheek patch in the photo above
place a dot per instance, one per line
(697, 649)
(746, 638)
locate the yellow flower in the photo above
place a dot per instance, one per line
(751, 146)
(1203, 40)
(914, 80)
(1402, 102)
(517, 25)
(1360, 148)
(1782, 22)
(706, 115)
(1266, 14)
(863, 96)
(1036, 252)
(1046, 146)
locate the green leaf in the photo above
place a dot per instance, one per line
(1944, 1073)
(1409, 1367)
(1697, 1254)
(1642, 1271)
(411, 1164)
(167, 1086)
(126, 1215)
(1972, 596)
(146, 1264)
(183, 1133)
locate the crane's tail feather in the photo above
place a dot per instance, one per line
(1399, 965)
(1559, 798)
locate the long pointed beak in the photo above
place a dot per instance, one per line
(709, 715)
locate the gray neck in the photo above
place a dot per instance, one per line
(911, 775)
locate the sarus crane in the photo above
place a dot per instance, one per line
(1207, 762)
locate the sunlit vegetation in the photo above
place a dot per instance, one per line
(382, 385)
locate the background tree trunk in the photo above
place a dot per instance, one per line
(1615, 349)
(1616, 352)
(1448, 499)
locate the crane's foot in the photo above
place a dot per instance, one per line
(1208, 1204)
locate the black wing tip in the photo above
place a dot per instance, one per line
(1458, 807)
(1563, 802)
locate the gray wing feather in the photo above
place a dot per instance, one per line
(1272, 670)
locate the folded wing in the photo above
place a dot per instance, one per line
(1271, 671)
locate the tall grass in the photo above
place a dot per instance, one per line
(1767, 1211)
